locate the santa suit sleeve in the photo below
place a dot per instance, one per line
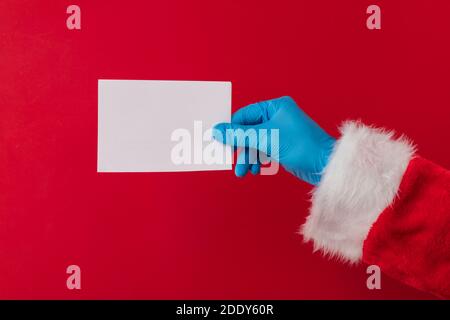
(380, 203)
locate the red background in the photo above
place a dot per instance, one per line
(204, 234)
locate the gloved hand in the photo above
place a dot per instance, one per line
(303, 148)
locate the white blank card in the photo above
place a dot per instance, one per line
(139, 119)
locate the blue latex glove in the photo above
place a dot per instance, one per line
(304, 147)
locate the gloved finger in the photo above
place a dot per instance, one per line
(257, 113)
(246, 159)
(242, 136)
(242, 164)
(255, 169)
(251, 114)
(255, 164)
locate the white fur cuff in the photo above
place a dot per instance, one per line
(359, 182)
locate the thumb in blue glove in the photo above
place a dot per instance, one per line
(303, 148)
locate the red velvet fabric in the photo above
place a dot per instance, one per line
(410, 241)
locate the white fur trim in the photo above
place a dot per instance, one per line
(359, 182)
